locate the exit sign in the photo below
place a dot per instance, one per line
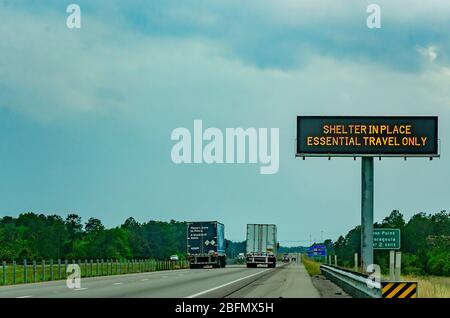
(386, 239)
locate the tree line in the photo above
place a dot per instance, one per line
(425, 244)
(39, 236)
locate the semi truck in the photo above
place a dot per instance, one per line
(261, 245)
(206, 244)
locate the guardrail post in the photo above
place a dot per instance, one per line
(34, 271)
(85, 267)
(14, 272)
(102, 267)
(97, 269)
(24, 270)
(92, 267)
(356, 262)
(4, 272)
(51, 269)
(43, 270)
(335, 260)
(66, 264)
(392, 265)
(398, 265)
(59, 268)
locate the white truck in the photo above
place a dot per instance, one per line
(261, 245)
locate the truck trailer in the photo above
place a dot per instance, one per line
(206, 244)
(261, 245)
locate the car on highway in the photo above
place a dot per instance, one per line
(174, 258)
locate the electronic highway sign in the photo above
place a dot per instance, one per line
(367, 136)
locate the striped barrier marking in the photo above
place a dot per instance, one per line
(399, 290)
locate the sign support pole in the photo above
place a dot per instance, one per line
(366, 212)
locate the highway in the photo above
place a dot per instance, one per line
(233, 281)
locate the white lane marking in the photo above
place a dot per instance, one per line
(24, 296)
(221, 286)
(144, 279)
(117, 283)
(80, 288)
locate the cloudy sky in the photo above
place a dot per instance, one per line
(86, 115)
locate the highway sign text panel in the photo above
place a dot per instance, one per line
(317, 250)
(386, 239)
(376, 136)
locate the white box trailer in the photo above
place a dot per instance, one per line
(261, 245)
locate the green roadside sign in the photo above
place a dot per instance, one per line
(386, 239)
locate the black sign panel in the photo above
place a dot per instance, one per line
(367, 136)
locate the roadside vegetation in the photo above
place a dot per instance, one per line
(312, 266)
(36, 236)
(431, 286)
(425, 244)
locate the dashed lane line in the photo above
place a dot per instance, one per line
(224, 285)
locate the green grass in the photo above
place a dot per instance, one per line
(87, 270)
(312, 267)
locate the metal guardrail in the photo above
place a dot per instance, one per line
(353, 283)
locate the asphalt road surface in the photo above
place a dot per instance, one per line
(233, 281)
